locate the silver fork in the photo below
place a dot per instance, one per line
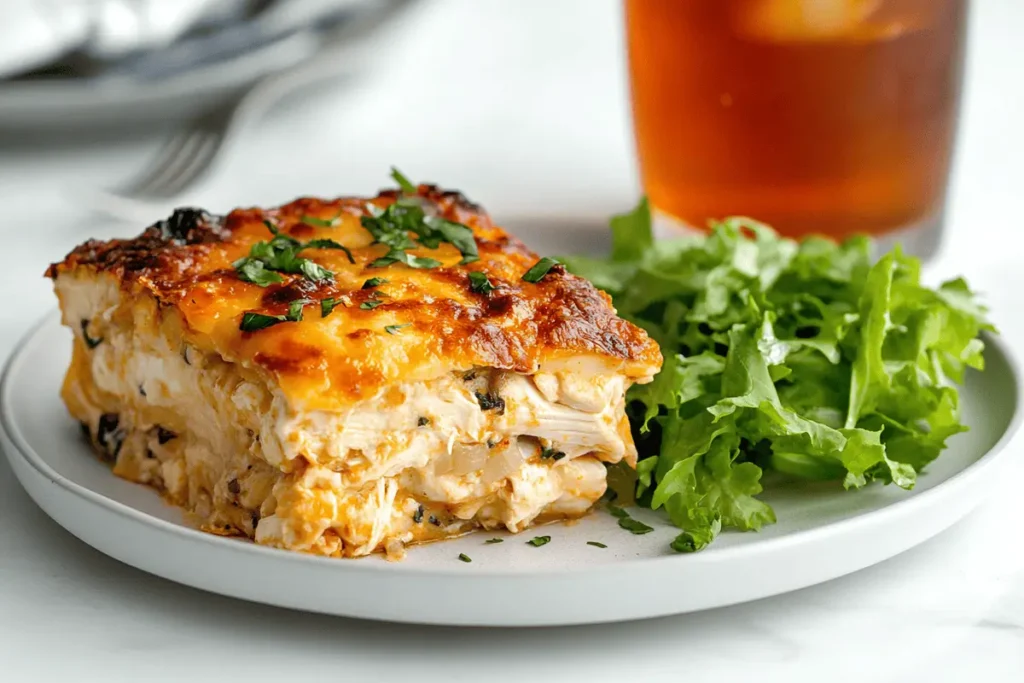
(182, 160)
(188, 155)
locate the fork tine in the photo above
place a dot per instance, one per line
(172, 165)
(158, 163)
(197, 163)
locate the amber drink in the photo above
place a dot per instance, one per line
(816, 116)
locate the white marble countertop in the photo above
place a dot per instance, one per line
(523, 106)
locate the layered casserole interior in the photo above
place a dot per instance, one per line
(349, 376)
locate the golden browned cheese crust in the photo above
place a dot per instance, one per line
(326, 363)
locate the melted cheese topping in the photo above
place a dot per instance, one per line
(329, 363)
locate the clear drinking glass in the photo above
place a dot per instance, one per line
(816, 116)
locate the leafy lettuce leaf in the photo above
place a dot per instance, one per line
(804, 358)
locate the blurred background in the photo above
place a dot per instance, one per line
(112, 112)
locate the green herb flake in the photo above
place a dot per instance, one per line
(418, 515)
(540, 269)
(321, 222)
(479, 283)
(370, 304)
(399, 256)
(394, 329)
(374, 282)
(314, 271)
(596, 544)
(252, 321)
(548, 453)
(538, 541)
(404, 183)
(422, 421)
(251, 270)
(266, 260)
(295, 310)
(456, 234)
(617, 512)
(465, 558)
(404, 224)
(626, 522)
(327, 306)
(492, 541)
(274, 230)
(635, 526)
(329, 244)
(490, 402)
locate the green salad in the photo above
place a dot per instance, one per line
(806, 358)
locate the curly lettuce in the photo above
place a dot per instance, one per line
(807, 358)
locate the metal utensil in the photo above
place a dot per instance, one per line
(190, 154)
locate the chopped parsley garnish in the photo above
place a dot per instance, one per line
(281, 255)
(538, 541)
(615, 511)
(295, 310)
(252, 321)
(256, 272)
(635, 526)
(464, 557)
(370, 304)
(270, 226)
(374, 282)
(492, 541)
(490, 402)
(479, 283)
(540, 269)
(550, 453)
(393, 329)
(418, 515)
(329, 244)
(434, 520)
(90, 342)
(392, 226)
(631, 525)
(422, 422)
(314, 271)
(327, 306)
(596, 544)
(403, 182)
(399, 256)
(456, 234)
(321, 222)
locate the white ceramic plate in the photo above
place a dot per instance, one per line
(822, 532)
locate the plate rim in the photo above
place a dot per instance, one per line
(711, 556)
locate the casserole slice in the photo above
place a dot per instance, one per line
(348, 376)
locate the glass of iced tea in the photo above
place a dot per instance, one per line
(816, 116)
